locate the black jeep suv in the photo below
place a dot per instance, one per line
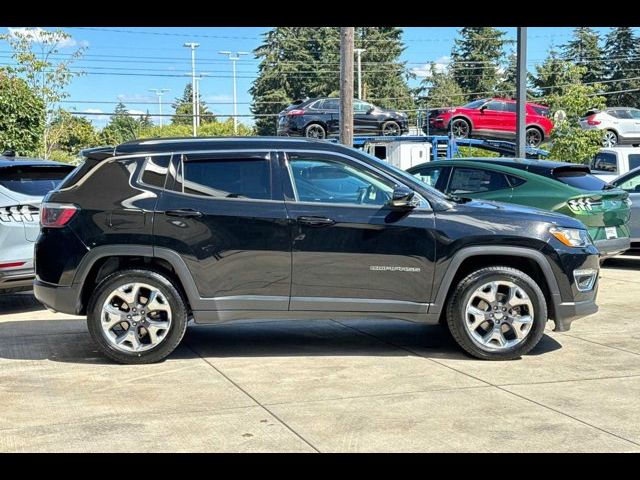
(320, 118)
(149, 234)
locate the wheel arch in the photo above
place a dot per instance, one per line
(467, 260)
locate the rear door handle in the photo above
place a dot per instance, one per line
(316, 221)
(184, 213)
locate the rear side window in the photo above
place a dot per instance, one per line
(34, 180)
(330, 104)
(634, 161)
(510, 107)
(475, 180)
(228, 178)
(606, 162)
(515, 181)
(544, 111)
(580, 179)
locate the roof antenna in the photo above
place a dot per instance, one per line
(9, 153)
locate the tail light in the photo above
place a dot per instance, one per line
(11, 264)
(591, 120)
(56, 215)
(295, 113)
(19, 213)
(583, 204)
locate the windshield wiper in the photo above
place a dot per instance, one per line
(457, 199)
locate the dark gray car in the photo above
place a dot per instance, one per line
(630, 182)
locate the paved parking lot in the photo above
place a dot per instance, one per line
(325, 386)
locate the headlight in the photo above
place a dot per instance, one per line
(571, 237)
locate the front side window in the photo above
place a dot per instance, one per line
(331, 104)
(510, 107)
(495, 106)
(635, 113)
(475, 180)
(248, 178)
(361, 107)
(329, 181)
(476, 103)
(606, 162)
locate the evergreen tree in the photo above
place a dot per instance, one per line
(303, 62)
(622, 52)
(183, 107)
(551, 75)
(584, 49)
(440, 89)
(477, 57)
(122, 126)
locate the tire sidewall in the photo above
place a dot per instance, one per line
(540, 136)
(457, 313)
(306, 130)
(390, 122)
(178, 315)
(461, 120)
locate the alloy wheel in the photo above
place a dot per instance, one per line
(315, 131)
(135, 317)
(534, 137)
(391, 128)
(499, 315)
(610, 139)
(460, 129)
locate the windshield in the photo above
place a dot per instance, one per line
(33, 180)
(476, 103)
(411, 179)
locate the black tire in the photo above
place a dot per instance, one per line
(456, 312)
(315, 130)
(179, 315)
(390, 128)
(460, 128)
(534, 136)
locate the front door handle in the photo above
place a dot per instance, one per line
(316, 221)
(184, 213)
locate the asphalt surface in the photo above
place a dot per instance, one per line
(325, 386)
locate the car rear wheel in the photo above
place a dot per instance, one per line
(460, 128)
(534, 137)
(390, 128)
(137, 316)
(497, 313)
(609, 139)
(315, 130)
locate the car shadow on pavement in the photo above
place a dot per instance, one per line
(18, 303)
(623, 262)
(69, 341)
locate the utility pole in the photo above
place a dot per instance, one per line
(359, 53)
(193, 47)
(521, 93)
(346, 85)
(159, 92)
(234, 57)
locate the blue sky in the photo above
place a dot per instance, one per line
(157, 58)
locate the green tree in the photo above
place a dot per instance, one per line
(183, 107)
(551, 75)
(47, 72)
(570, 143)
(301, 62)
(439, 89)
(584, 49)
(211, 129)
(71, 133)
(622, 52)
(21, 117)
(478, 56)
(122, 126)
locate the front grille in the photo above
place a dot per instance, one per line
(19, 213)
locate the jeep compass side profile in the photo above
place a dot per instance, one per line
(145, 236)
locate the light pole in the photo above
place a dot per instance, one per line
(359, 53)
(159, 92)
(234, 57)
(193, 47)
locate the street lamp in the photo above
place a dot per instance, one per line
(159, 92)
(359, 53)
(234, 57)
(193, 47)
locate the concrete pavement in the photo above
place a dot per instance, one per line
(326, 386)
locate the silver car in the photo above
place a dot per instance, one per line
(620, 125)
(630, 182)
(23, 183)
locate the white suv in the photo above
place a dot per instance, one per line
(23, 183)
(620, 125)
(610, 163)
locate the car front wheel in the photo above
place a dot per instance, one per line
(460, 128)
(390, 128)
(137, 316)
(497, 313)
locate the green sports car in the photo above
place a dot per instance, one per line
(566, 188)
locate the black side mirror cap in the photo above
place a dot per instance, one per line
(403, 197)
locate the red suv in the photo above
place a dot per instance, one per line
(490, 117)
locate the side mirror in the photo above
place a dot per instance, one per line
(403, 197)
(483, 108)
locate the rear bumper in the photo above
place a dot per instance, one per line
(57, 298)
(611, 247)
(17, 279)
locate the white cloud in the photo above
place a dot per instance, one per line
(441, 65)
(39, 35)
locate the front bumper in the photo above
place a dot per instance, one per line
(57, 298)
(567, 312)
(612, 247)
